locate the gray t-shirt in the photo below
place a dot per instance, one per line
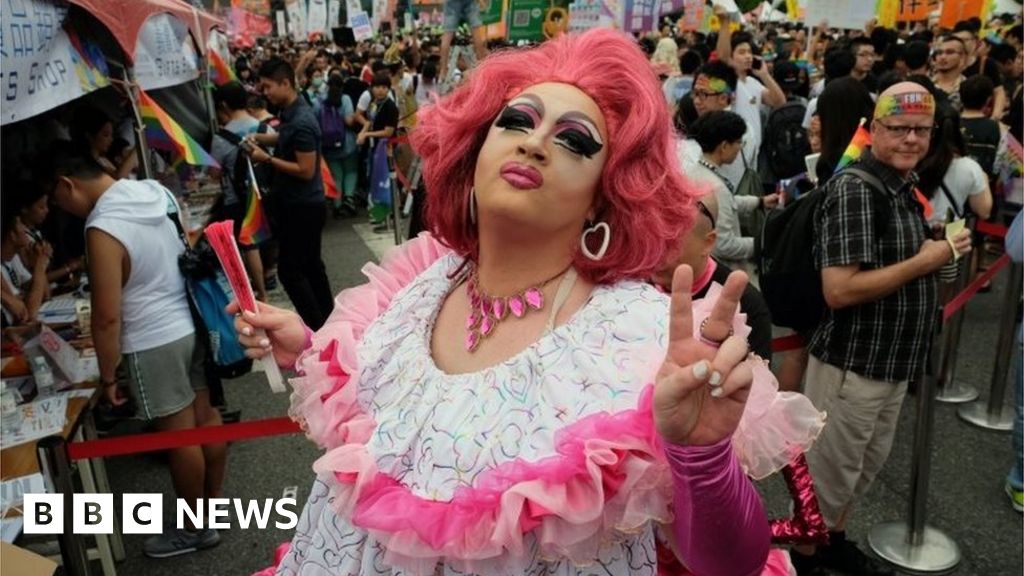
(226, 153)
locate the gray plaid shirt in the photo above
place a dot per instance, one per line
(887, 339)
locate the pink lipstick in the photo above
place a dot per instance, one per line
(521, 176)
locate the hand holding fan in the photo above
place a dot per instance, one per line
(222, 239)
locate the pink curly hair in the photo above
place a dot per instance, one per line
(642, 193)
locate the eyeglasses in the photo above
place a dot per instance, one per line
(704, 210)
(904, 131)
(704, 94)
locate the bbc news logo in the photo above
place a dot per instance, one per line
(143, 513)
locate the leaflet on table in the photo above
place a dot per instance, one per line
(39, 419)
(12, 492)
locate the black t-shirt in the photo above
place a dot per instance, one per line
(991, 70)
(981, 136)
(753, 305)
(386, 115)
(299, 131)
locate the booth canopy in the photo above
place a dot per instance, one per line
(124, 19)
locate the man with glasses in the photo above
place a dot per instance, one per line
(948, 68)
(878, 267)
(864, 55)
(977, 62)
(713, 90)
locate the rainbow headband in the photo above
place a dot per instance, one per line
(905, 103)
(715, 85)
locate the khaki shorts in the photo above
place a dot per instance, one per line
(163, 380)
(858, 435)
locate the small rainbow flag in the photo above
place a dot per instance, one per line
(861, 140)
(220, 72)
(164, 133)
(255, 228)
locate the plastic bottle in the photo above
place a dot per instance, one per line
(45, 385)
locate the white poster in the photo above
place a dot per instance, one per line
(282, 27)
(584, 15)
(296, 19)
(333, 14)
(361, 27)
(164, 55)
(380, 8)
(352, 7)
(849, 14)
(42, 66)
(316, 17)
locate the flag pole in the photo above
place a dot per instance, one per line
(141, 148)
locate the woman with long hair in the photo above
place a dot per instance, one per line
(841, 106)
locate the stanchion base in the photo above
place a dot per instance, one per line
(937, 553)
(977, 413)
(956, 394)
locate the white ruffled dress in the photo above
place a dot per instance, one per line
(547, 463)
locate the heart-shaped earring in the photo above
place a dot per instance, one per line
(603, 226)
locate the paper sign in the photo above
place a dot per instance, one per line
(584, 15)
(333, 14)
(729, 5)
(526, 18)
(43, 65)
(282, 26)
(39, 419)
(12, 492)
(693, 15)
(296, 19)
(953, 12)
(316, 17)
(850, 14)
(361, 28)
(164, 55)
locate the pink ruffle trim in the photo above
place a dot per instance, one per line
(608, 476)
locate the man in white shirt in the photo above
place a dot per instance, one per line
(738, 51)
(141, 321)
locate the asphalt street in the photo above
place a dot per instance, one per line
(965, 499)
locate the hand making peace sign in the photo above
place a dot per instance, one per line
(700, 391)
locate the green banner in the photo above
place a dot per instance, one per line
(491, 13)
(526, 19)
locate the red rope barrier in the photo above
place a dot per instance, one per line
(962, 298)
(139, 443)
(990, 229)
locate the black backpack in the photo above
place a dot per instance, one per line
(785, 141)
(790, 283)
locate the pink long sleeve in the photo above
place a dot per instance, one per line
(720, 526)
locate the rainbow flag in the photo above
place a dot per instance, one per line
(861, 140)
(255, 228)
(164, 133)
(220, 72)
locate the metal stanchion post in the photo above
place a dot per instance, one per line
(913, 545)
(55, 466)
(948, 390)
(995, 415)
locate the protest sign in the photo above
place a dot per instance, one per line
(44, 65)
(526, 18)
(164, 55)
(850, 14)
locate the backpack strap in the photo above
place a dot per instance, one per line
(952, 201)
(230, 136)
(880, 199)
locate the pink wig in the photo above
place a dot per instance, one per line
(642, 194)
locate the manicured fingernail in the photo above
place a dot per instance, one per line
(249, 314)
(716, 378)
(716, 392)
(265, 343)
(247, 331)
(700, 370)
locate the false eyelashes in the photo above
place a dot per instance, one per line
(570, 135)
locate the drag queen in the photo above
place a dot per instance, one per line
(508, 395)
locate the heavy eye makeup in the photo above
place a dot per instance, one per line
(570, 133)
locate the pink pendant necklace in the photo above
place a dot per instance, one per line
(487, 311)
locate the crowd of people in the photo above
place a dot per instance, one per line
(652, 186)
